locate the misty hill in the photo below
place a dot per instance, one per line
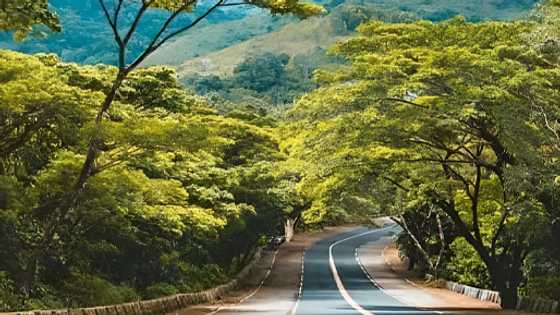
(86, 37)
(231, 33)
(309, 36)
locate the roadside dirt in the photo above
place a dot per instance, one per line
(435, 298)
(278, 293)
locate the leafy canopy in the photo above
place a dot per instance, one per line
(21, 16)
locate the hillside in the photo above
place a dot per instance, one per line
(216, 46)
(316, 34)
(86, 37)
(303, 38)
(214, 37)
(474, 10)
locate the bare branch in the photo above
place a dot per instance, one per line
(137, 18)
(443, 245)
(234, 4)
(474, 203)
(117, 12)
(111, 23)
(501, 226)
(154, 45)
(401, 221)
(399, 100)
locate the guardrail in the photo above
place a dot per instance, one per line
(524, 303)
(481, 294)
(537, 305)
(162, 305)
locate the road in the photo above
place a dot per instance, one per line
(335, 282)
(339, 275)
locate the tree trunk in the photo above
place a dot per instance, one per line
(89, 163)
(506, 288)
(411, 263)
(401, 221)
(289, 227)
(509, 297)
(506, 278)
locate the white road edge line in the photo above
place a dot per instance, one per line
(371, 279)
(300, 289)
(248, 296)
(337, 279)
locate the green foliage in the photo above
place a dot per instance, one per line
(466, 267)
(8, 298)
(173, 182)
(544, 287)
(90, 290)
(453, 115)
(160, 289)
(259, 80)
(23, 15)
(439, 10)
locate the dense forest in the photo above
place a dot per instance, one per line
(120, 182)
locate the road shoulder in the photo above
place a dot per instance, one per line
(382, 262)
(278, 293)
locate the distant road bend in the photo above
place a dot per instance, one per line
(336, 283)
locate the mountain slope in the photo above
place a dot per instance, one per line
(318, 33)
(217, 36)
(87, 38)
(229, 33)
(304, 38)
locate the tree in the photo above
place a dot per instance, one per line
(123, 35)
(21, 16)
(442, 113)
(180, 197)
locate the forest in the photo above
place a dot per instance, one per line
(121, 182)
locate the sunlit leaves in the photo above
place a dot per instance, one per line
(173, 177)
(21, 16)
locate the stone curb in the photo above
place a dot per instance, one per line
(158, 306)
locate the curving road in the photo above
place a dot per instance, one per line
(336, 283)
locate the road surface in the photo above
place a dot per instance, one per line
(333, 282)
(336, 283)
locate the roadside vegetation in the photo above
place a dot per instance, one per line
(451, 128)
(119, 182)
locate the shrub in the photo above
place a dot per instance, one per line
(8, 299)
(544, 287)
(159, 290)
(89, 290)
(466, 267)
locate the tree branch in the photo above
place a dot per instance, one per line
(501, 226)
(154, 45)
(117, 12)
(137, 18)
(234, 4)
(111, 23)
(474, 204)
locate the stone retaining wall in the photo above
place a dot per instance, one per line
(530, 304)
(157, 306)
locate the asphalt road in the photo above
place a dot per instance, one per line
(335, 282)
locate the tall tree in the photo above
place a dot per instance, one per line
(124, 35)
(443, 114)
